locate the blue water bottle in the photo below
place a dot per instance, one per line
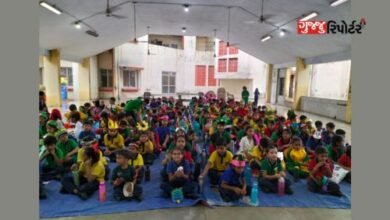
(248, 175)
(254, 194)
(177, 195)
(324, 184)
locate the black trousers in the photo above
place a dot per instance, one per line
(272, 185)
(214, 176)
(148, 158)
(229, 195)
(313, 186)
(48, 173)
(189, 187)
(85, 187)
(118, 193)
(348, 177)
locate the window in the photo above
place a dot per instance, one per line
(106, 78)
(130, 78)
(233, 50)
(41, 75)
(291, 88)
(168, 82)
(222, 48)
(222, 65)
(233, 65)
(200, 75)
(211, 79)
(68, 74)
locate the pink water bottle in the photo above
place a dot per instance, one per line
(281, 186)
(102, 191)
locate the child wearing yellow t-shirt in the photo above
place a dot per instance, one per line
(136, 160)
(90, 173)
(113, 141)
(218, 162)
(297, 159)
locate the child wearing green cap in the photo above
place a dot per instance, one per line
(51, 160)
(69, 147)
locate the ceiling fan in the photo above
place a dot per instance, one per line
(263, 18)
(228, 44)
(135, 40)
(109, 11)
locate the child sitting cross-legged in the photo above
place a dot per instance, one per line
(136, 161)
(272, 171)
(232, 185)
(90, 173)
(146, 148)
(321, 169)
(178, 170)
(125, 175)
(51, 159)
(296, 159)
(113, 141)
(218, 162)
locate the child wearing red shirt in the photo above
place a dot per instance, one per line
(346, 162)
(321, 170)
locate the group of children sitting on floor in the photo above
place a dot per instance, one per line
(217, 139)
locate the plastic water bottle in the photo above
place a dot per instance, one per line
(102, 191)
(255, 194)
(177, 195)
(324, 184)
(147, 174)
(201, 185)
(281, 185)
(76, 179)
(248, 175)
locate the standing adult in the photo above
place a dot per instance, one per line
(245, 95)
(257, 93)
(42, 102)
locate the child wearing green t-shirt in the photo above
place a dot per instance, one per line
(51, 160)
(122, 175)
(69, 147)
(272, 171)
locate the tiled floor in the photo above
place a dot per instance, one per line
(234, 213)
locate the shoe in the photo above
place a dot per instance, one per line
(338, 194)
(139, 198)
(289, 191)
(117, 198)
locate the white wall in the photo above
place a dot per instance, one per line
(93, 68)
(234, 86)
(330, 80)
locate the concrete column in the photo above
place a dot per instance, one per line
(84, 80)
(94, 82)
(268, 88)
(303, 80)
(51, 78)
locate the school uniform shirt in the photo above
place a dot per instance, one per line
(127, 174)
(68, 146)
(138, 161)
(297, 157)
(312, 143)
(145, 148)
(172, 167)
(231, 178)
(80, 156)
(84, 134)
(256, 153)
(49, 161)
(271, 168)
(162, 133)
(83, 116)
(114, 143)
(334, 153)
(220, 163)
(345, 161)
(78, 128)
(320, 173)
(327, 137)
(97, 170)
(246, 145)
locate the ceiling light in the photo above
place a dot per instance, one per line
(186, 8)
(51, 8)
(309, 16)
(183, 30)
(282, 32)
(77, 25)
(337, 2)
(265, 38)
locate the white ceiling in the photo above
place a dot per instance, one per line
(56, 31)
